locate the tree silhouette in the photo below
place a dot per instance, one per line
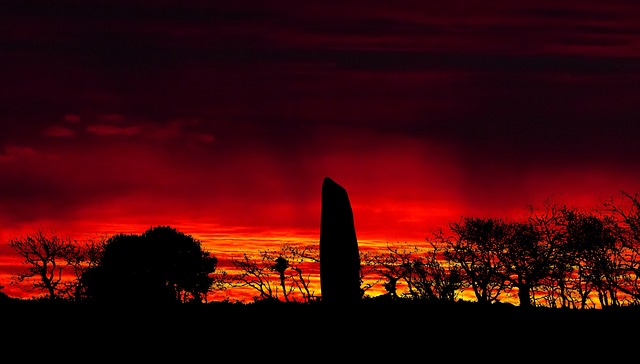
(625, 211)
(255, 275)
(435, 279)
(557, 288)
(51, 260)
(524, 258)
(587, 255)
(277, 274)
(592, 241)
(418, 272)
(281, 264)
(558, 257)
(470, 247)
(186, 268)
(389, 266)
(162, 265)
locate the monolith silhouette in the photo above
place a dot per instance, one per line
(339, 256)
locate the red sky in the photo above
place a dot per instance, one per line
(223, 119)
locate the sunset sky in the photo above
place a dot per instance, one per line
(221, 119)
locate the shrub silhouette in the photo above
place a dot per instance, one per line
(160, 266)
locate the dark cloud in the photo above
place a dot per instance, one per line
(248, 105)
(59, 131)
(106, 130)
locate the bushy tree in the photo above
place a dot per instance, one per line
(162, 265)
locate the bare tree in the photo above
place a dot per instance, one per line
(89, 257)
(254, 274)
(591, 239)
(557, 289)
(412, 272)
(390, 267)
(444, 281)
(277, 274)
(590, 261)
(471, 246)
(625, 212)
(50, 259)
(524, 257)
(301, 261)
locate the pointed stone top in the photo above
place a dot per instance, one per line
(330, 183)
(328, 180)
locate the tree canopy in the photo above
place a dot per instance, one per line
(162, 265)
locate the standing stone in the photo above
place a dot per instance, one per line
(339, 256)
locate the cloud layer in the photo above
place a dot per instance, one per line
(231, 115)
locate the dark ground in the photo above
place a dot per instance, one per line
(462, 331)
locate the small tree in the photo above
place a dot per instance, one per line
(50, 259)
(470, 247)
(277, 274)
(592, 240)
(412, 272)
(525, 259)
(624, 209)
(387, 268)
(255, 275)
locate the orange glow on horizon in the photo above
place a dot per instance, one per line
(378, 225)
